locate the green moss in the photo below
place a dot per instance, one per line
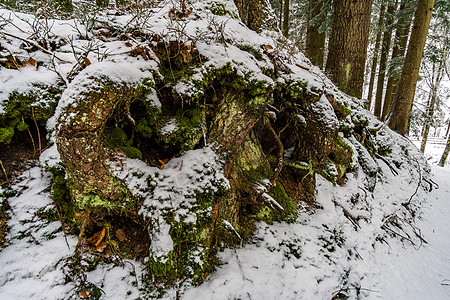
(117, 138)
(217, 8)
(21, 109)
(280, 195)
(6, 134)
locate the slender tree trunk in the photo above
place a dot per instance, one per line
(348, 41)
(445, 154)
(386, 47)
(281, 13)
(315, 40)
(438, 70)
(448, 128)
(375, 55)
(401, 39)
(286, 18)
(426, 127)
(399, 114)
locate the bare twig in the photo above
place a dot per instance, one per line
(4, 171)
(34, 44)
(31, 137)
(37, 129)
(417, 187)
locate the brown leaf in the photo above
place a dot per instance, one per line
(128, 44)
(101, 236)
(83, 294)
(30, 62)
(186, 56)
(86, 60)
(120, 235)
(101, 247)
(268, 47)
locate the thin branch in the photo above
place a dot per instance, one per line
(34, 44)
(394, 171)
(4, 171)
(417, 187)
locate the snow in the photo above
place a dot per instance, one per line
(34, 263)
(345, 246)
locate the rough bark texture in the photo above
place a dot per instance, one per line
(445, 154)
(386, 47)
(436, 78)
(315, 40)
(256, 14)
(401, 39)
(80, 143)
(398, 119)
(375, 56)
(348, 45)
(286, 18)
(231, 123)
(426, 127)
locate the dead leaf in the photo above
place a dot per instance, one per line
(120, 235)
(186, 56)
(86, 60)
(268, 47)
(101, 247)
(83, 294)
(30, 62)
(128, 44)
(101, 236)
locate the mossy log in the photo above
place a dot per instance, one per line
(80, 144)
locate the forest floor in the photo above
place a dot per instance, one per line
(283, 261)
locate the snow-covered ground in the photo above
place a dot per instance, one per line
(285, 261)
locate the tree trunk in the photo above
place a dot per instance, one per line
(401, 39)
(398, 119)
(348, 41)
(256, 13)
(426, 126)
(445, 154)
(375, 55)
(386, 47)
(286, 18)
(315, 40)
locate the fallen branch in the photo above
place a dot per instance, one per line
(34, 44)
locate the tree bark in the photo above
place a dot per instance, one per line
(255, 13)
(375, 55)
(315, 40)
(398, 119)
(426, 127)
(348, 44)
(286, 18)
(386, 47)
(401, 39)
(445, 154)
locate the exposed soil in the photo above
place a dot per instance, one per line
(15, 158)
(3, 223)
(19, 155)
